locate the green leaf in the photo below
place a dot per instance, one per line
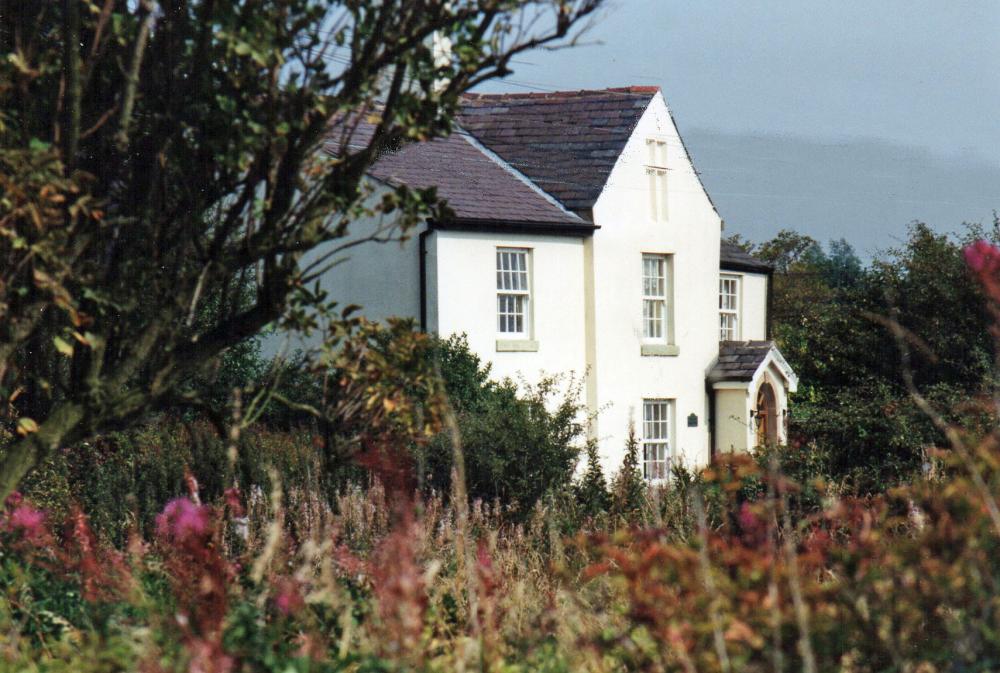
(38, 145)
(26, 426)
(63, 346)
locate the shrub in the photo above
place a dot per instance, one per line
(519, 443)
(628, 490)
(123, 479)
(591, 490)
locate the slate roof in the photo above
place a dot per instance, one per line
(735, 258)
(477, 186)
(567, 142)
(739, 360)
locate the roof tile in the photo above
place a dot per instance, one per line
(735, 258)
(475, 185)
(566, 141)
(739, 360)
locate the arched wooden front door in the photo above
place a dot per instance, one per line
(767, 415)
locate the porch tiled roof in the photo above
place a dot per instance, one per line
(739, 360)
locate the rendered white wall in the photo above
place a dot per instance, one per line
(754, 309)
(465, 278)
(381, 277)
(623, 376)
(732, 420)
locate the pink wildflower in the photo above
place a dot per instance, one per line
(232, 498)
(753, 528)
(28, 520)
(747, 518)
(183, 520)
(982, 257)
(289, 599)
(13, 500)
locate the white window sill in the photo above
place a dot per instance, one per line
(660, 349)
(516, 346)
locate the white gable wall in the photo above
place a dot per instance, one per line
(691, 234)
(753, 312)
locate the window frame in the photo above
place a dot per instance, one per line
(658, 468)
(522, 292)
(665, 299)
(735, 311)
(656, 170)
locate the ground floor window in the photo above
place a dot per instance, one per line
(656, 446)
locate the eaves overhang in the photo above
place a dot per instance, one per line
(576, 230)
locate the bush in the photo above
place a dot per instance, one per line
(123, 479)
(591, 491)
(628, 490)
(519, 443)
(831, 318)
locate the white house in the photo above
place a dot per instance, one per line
(583, 241)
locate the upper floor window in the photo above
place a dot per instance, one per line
(729, 308)
(656, 449)
(655, 282)
(513, 293)
(656, 170)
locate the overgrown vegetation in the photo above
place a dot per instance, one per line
(516, 446)
(840, 324)
(726, 574)
(244, 552)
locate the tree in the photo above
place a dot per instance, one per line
(832, 317)
(154, 155)
(628, 489)
(592, 489)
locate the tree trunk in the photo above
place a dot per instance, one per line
(71, 72)
(24, 454)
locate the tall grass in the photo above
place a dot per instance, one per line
(715, 574)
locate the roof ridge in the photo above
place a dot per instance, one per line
(566, 93)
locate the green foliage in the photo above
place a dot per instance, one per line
(158, 160)
(832, 317)
(518, 443)
(591, 490)
(123, 479)
(628, 489)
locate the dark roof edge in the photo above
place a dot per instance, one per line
(762, 268)
(565, 93)
(515, 227)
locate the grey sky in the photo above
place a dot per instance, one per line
(847, 118)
